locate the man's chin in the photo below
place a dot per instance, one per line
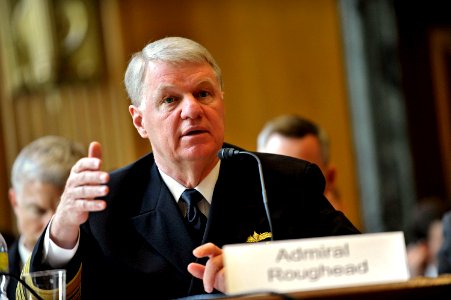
(200, 151)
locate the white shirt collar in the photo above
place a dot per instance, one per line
(23, 251)
(205, 187)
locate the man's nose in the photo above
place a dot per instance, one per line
(191, 108)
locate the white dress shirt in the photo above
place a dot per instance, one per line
(23, 251)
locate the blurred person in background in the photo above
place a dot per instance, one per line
(444, 254)
(425, 236)
(38, 177)
(295, 136)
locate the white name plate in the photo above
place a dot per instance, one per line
(315, 263)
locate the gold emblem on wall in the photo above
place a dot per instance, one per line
(51, 42)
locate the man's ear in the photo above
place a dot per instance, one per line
(137, 120)
(331, 176)
(13, 198)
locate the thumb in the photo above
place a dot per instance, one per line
(95, 150)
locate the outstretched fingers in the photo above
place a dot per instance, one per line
(212, 273)
(85, 184)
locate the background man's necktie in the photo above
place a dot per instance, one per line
(194, 217)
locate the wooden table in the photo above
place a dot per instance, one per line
(416, 288)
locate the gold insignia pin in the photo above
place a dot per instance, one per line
(258, 237)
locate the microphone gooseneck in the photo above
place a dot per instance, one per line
(230, 153)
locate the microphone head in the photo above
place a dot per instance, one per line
(227, 153)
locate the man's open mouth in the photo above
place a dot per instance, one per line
(194, 132)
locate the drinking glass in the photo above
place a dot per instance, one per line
(48, 284)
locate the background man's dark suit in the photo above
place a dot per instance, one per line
(444, 255)
(139, 246)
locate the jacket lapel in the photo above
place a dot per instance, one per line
(236, 210)
(160, 223)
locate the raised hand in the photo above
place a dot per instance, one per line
(86, 182)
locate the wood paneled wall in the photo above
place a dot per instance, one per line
(96, 110)
(277, 57)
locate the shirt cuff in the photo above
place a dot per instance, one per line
(54, 255)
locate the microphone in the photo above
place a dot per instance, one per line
(228, 153)
(231, 153)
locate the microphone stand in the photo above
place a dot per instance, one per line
(263, 187)
(228, 153)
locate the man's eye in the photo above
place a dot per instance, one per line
(169, 100)
(36, 211)
(203, 94)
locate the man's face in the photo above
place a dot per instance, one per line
(33, 206)
(182, 113)
(307, 148)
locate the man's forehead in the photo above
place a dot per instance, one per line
(306, 147)
(162, 78)
(39, 188)
(174, 67)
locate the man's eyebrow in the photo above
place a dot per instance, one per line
(206, 81)
(34, 206)
(160, 90)
(163, 87)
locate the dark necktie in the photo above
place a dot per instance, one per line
(194, 217)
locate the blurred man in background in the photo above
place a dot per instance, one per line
(298, 137)
(444, 254)
(425, 238)
(38, 177)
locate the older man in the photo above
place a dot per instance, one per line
(143, 237)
